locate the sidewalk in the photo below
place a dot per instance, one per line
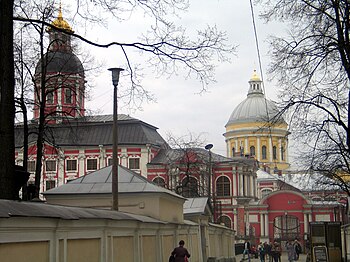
(302, 258)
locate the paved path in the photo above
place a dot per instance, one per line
(302, 258)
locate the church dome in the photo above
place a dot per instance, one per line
(61, 62)
(255, 108)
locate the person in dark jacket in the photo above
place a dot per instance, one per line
(180, 252)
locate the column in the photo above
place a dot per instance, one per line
(228, 150)
(236, 145)
(81, 163)
(234, 182)
(240, 184)
(102, 156)
(60, 171)
(262, 224)
(286, 151)
(246, 148)
(251, 185)
(235, 221)
(270, 149)
(279, 150)
(306, 223)
(266, 225)
(258, 155)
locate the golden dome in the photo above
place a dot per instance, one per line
(255, 76)
(59, 22)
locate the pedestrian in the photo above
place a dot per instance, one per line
(297, 248)
(261, 251)
(180, 253)
(290, 248)
(276, 251)
(246, 250)
(269, 251)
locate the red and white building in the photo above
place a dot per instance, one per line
(259, 206)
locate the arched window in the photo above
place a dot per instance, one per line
(226, 220)
(233, 151)
(223, 186)
(274, 152)
(190, 187)
(265, 192)
(159, 181)
(241, 149)
(68, 95)
(263, 151)
(252, 151)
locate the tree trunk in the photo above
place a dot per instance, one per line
(7, 103)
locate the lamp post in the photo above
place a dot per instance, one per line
(115, 80)
(209, 147)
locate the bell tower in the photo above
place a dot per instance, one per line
(64, 82)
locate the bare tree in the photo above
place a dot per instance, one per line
(168, 46)
(312, 65)
(187, 164)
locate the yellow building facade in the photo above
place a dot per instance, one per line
(255, 129)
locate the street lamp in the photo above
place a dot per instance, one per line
(209, 147)
(115, 81)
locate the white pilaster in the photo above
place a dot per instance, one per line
(262, 224)
(258, 154)
(266, 220)
(270, 149)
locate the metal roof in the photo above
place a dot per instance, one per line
(100, 182)
(195, 205)
(302, 182)
(169, 155)
(63, 62)
(10, 208)
(95, 131)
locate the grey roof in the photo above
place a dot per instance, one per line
(255, 108)
(265, 176)
(10, 208)
(95, 131)
(174, 155)
(195, 205)
(302, 182)
(61, 62)
(100, 182)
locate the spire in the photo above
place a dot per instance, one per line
(60, 22)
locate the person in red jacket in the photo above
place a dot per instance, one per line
(180, 252)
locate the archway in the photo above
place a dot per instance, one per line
(286, 227)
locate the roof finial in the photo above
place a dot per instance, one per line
(60, 22)
(255, 76)
(60, 16)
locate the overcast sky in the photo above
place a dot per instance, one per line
(179, 109)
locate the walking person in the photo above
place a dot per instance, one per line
(276, 252)
(290, 248)
(261, 251)
(246, 250)
(269, 251)
(180, 253)
(297, 248)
